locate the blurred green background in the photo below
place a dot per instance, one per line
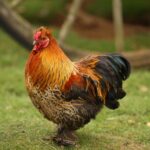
(99, 34)
(135, 11)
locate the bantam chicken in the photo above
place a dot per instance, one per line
(68, 93)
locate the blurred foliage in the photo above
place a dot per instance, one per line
(137, 11)
(42, 10)
(47, 11)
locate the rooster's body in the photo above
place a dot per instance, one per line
(70, 93)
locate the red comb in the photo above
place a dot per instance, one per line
(37, 35)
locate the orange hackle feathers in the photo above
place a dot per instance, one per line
(49, 66)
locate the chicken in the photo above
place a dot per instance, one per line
(68, 93)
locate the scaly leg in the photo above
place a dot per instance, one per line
(65, 137)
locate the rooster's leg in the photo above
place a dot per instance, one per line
(65, 137)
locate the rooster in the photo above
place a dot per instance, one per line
(68, 93)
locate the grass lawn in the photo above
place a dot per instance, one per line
(22, 127)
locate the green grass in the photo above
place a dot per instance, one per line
(22, 127)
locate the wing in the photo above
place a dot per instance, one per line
(83, 83)
(98, 80)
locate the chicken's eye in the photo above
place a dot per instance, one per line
(43, 38)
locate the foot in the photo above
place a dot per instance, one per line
(66, 138)
(65, 142)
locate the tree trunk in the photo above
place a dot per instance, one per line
(118, 25)
(138, 59)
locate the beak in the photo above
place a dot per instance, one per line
(35, 42)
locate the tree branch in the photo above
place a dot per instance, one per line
(16, 3)
(69, 20)
(15, 25)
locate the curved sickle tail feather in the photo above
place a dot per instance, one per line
(113, 69)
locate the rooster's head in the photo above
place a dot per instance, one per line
(41, 38)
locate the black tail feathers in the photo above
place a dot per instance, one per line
(114, 69)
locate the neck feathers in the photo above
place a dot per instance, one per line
(50, 67)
